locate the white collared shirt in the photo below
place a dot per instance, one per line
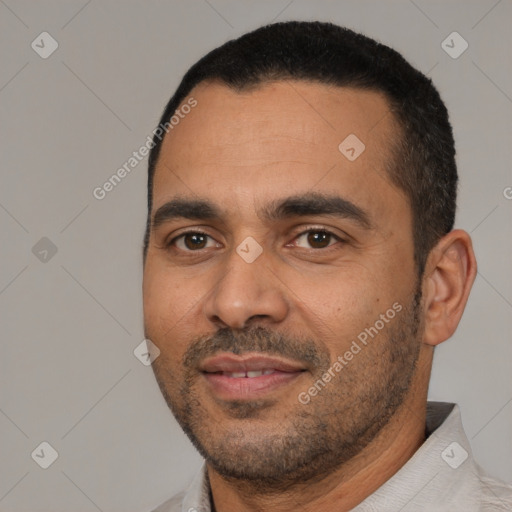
(441, 476)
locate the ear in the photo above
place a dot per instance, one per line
(449, 275)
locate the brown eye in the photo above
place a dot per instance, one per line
(316, 239)
(193, 241)
(319, 240)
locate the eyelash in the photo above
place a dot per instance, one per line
(309, 230)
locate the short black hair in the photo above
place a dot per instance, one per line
(423, 165)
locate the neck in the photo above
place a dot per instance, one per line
(350, 484)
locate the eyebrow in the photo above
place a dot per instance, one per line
(309, 204)
(185, 209)
(316, 204)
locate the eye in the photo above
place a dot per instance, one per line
(193, 241)
(317, 239)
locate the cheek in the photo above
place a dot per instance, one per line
(337, 308)
(342, 291)
(172, 311)
(165, 304)
(155, 298)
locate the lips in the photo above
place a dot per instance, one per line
(249, 376)
(231, 363)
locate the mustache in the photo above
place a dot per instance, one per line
(255, 339)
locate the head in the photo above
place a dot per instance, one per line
(300, 221)
(422, 162)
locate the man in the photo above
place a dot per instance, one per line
(300, 266)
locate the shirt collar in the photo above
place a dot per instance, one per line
(440, 476)
(442, 470)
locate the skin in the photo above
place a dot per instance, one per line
(241, 151)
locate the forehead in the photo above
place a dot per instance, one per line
(313, 112)
(278, 137)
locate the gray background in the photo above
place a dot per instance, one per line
(71, 322)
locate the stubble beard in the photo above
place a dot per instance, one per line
(314, 439)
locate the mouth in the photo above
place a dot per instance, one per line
(247, 374)
(251, 376)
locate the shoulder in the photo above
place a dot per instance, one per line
(172, 505)
(494, 494)
(195, 498)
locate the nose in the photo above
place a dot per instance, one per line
(246, 293)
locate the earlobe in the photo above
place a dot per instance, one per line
(449, 276)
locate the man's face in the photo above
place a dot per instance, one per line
(300, 252)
